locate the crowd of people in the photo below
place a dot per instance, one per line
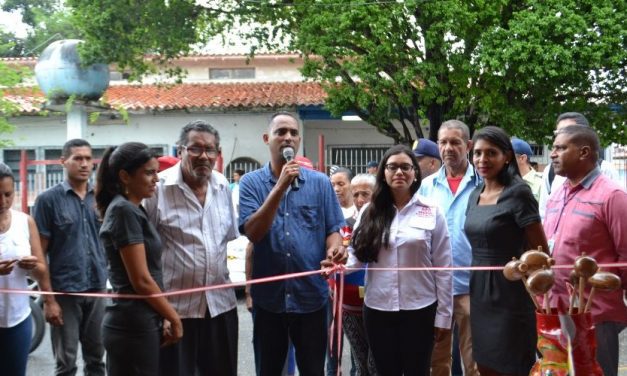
(459, 202)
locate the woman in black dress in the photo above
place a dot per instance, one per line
(133, 329)
(502, 221)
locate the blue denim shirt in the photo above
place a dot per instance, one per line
(436, 189)
(76, 257)
(296, 242)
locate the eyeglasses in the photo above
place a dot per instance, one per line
(196, 151)
(405, 167)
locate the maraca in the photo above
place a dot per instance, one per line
(604, 281)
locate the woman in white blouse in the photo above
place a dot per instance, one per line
(20, 256)
(403, 310)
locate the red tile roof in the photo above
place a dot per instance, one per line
(195, 96)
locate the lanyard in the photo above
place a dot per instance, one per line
(565, 200)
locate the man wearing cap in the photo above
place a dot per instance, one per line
(428, 156)
(523, 159)
(450, 188)
(372, 167)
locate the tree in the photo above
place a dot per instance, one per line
(516, 64)
(10, 77)
(48, 21)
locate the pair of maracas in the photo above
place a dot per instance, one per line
(533, 269)
(587, 271)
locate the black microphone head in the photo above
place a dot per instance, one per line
(288, 153)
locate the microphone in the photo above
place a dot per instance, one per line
(288, 154)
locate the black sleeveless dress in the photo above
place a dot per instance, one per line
(502, 314)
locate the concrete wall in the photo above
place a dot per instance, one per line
(240, 132)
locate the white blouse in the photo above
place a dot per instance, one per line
(418, 238)
(15, 243)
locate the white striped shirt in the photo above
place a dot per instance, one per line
(194, 241)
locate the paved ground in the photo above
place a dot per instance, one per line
(41, 363)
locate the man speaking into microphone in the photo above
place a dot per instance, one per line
(293, 218)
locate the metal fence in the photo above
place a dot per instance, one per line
(354, 157)
(35, 184)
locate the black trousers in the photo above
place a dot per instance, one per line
(131, 352)
(208, 348)
(308, 332)
(401, 341)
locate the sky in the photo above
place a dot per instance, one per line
(13, 22)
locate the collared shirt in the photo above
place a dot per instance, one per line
(534, 180)
(76, 258)
(418, 238)
(436, 190)
(194, 238)
(589, 217)
(296, 242)
(548, 188)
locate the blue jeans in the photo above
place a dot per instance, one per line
(14, 348)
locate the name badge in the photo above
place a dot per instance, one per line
(423, 218)
(551, 243)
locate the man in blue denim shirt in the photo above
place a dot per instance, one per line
(292, 231)
(450, 188)
(68, 229)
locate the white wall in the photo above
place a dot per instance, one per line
(240, 132)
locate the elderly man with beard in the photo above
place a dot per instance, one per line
(193, 211)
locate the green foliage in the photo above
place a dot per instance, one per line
(48, 22)
(31, 9)
(10, 76)
(515, 64)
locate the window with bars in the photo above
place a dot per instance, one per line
(355, 157)
(242, 163)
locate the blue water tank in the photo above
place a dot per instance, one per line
(60, 75)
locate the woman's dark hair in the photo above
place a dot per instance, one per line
(129, 157)
(497, 137)
(6, 172)
(373, 233)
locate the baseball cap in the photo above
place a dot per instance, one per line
(372, 164)
(522, 147)
(166, 162)
(425, 147)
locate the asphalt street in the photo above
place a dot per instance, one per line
(41, 363)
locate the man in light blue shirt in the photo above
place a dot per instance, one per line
(450, 188)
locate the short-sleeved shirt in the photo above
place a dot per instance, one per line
(296, 242)
(534, 179)
(126, 224)
(76, 258)
(590, 217)
(194, 239)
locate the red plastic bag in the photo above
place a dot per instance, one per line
(557, 334)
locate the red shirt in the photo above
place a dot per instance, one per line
(589, 217)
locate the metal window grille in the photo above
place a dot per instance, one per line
(242, 163)
(355, 157)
